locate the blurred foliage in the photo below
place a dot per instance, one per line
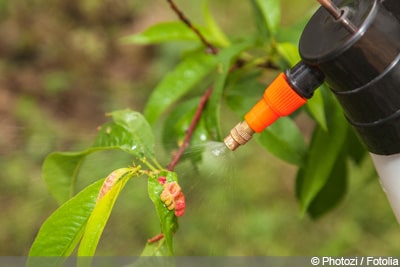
(62, 68)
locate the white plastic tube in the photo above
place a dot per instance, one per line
(388, 168)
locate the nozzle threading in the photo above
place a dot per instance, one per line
(239, 135)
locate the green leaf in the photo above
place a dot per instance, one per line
(284, 140)
(152, 255)
(262, 32)
(270, 9)
(177, 123)
(158, 248)
(356, 149)
(177, 83)
(110, 191)
(130, 133)
(212, 111)
(243, 90)
(316, 106)
(59, 171)
(289, 52)
(168, 220)
(215, 30)
(61, 232)
(292, 33)
(162, 32)
(176, 126)
(325, 148)
(141, 141)
(333, 191)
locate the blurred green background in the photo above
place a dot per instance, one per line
(62, 68)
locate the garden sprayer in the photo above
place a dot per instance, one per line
(354, 46)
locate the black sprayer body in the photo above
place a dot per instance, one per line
(362, 68)
(354, 45)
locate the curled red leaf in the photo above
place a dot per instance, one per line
(173, 198)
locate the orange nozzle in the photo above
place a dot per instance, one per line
(279, 100)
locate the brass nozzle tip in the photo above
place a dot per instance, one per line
(239, 135)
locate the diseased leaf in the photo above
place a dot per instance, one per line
(168, 220)
(107, 196)
(177, 83)
(284, 140)
(61, 232)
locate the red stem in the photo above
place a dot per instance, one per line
(192, 127)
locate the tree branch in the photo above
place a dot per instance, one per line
(210, 47)
(192, 127)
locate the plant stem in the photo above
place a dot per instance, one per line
(148, 164)
(192, 127)
(210, 47)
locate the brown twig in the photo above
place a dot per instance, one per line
(210, 47)
(190, 130)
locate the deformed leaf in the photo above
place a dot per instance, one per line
(61, 232)
(168, 220)
(110, 191)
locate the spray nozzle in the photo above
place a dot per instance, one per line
(283, 96)
(239, 135)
